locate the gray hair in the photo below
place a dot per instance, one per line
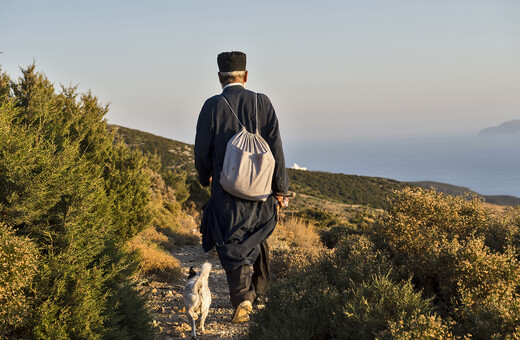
(233, 74)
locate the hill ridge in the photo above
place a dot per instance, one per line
(508, 128)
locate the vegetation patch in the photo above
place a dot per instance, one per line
(434, 266)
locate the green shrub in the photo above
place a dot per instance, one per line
(80, 197)
(330, 237)
(418, 219)
(199, 195)
(167, 215)
(378, 302)
(364, 218)
(178, 181)
(127, 184)
(331, 227)
(351, 293)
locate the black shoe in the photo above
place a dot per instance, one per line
(260, 302)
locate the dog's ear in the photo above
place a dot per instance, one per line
(192, 273)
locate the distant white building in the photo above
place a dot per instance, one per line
(297, 167)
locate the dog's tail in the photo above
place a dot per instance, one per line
(202, 280)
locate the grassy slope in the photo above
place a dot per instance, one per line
(344, 189)
(173, 154)
(335, 188)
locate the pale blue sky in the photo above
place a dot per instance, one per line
(333, 69)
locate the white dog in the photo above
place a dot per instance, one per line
(197, 297)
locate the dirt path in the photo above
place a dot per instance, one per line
(168, 308)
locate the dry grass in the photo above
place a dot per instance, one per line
(168, 217)
(499, 209)
(295, 233)
(151, 234)
(155, 243)
(155, 261)
(183, 230)
(294, 244)
(170, 228)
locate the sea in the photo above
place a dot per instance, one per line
(488, 165)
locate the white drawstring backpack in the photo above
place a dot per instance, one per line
(248, 167)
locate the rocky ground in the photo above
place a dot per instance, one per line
(168, 308)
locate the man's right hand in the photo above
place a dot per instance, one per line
(283, 202)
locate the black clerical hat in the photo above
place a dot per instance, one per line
(231, 61)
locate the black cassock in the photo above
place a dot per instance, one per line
(233, 225)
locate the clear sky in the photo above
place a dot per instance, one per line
(333, 69)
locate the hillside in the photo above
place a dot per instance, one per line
(344, 189)
(334, 188)
(461, 191)
(174, 154)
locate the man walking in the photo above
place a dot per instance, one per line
(238, 228)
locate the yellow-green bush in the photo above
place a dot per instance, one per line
(419, 220)
(18, 265)
(487, 284)
(460, 253)
(419, 327)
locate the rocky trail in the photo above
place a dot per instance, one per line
(168, 308)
